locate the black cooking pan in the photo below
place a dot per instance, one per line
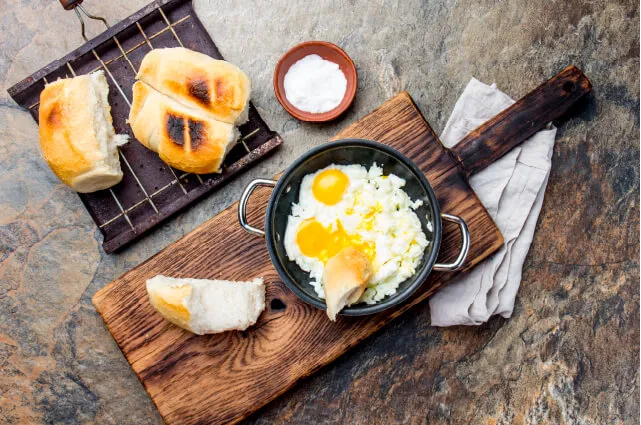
(346, 152)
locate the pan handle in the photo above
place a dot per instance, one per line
(465, 246)
(242, 205)
(548, 102)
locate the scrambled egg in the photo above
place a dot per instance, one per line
(348, 205)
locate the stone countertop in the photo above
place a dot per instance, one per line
(569, 354)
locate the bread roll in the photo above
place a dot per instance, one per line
(185, 138)
(345, 277)
(207, 306)
(198, 81)
(77, 137)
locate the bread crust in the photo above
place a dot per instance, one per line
(184, 138)
(68, 137)
(198, 81)
(345, 277)
(205, 306)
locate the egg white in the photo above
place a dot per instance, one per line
(394, 227)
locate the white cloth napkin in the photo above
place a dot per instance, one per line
(512, 191)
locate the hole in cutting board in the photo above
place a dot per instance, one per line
(569, 86)
(277, 305)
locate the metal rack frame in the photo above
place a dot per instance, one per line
(178, 179)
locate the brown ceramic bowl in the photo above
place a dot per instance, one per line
(327, 51)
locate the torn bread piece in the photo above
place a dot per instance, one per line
(77, 137)
(198, 81)
(207, 306)
(345, 277)
(184, 138)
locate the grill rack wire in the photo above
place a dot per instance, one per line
(178, 176)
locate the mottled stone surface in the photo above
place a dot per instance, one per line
(569, 355)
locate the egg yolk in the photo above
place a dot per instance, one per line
(368, 222)
(317, 241)
(329, 186)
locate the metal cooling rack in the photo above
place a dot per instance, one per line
(150, 190)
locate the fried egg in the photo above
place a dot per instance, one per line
(349, 205)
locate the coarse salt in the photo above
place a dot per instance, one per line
(315, 85)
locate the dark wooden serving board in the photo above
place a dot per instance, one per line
(223, 378)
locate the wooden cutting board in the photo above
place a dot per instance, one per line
(223, 378)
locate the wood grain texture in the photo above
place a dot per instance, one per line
(223, 378)
(497, 136)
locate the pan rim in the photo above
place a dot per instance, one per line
(417, 279)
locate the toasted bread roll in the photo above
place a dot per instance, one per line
(198, 81)
(184, 138)
(207, 306)
(77, 137)
(345, 277)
